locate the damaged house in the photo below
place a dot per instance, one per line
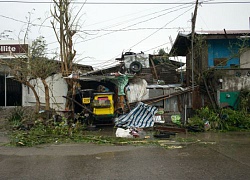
(151, 79)
(137, 77)
(220, 66)
(14, 93)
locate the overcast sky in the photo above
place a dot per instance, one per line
(109, 29)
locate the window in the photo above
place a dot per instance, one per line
(220, 61)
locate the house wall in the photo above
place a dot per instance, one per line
(236, 80)
(204, 58)
(58, 88)
(245, 60)
(200, 64)
(170, 104)
(223, 49)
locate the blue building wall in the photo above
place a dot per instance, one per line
(223, 48)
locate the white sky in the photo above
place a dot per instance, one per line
(114, 28)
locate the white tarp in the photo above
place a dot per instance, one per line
(137, 91)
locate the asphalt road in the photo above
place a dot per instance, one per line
(213, 156)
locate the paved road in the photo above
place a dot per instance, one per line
(216, 156)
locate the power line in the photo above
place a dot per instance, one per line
(119, 17)
(128, 3)
(109, 31)
(150, 19)
(157, 47)
(135, 24)
(141, 22)
(132, 29)
(156, 12)
(159, 29)
(85, 30)
(102, 64)
(17, 20)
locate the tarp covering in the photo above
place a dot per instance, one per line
(120, 81)
(137, 90)
(141, 116)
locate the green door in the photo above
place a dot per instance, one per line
(229, 99)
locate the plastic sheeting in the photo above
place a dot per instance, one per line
(141, 116)
(137, 91)
(120, 81)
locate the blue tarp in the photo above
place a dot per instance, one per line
(141, 116)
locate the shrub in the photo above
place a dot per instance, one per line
(16, 117)
(224, 119)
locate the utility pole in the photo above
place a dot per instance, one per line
(192, 41)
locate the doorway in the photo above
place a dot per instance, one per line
(10, 92)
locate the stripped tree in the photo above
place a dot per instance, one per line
(63, 17)
(33, 65)
(41, 67)
(19, 72)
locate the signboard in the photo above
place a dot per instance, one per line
(14, 48)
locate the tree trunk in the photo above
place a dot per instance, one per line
(38, 103)
(70, 93)
(47, 99)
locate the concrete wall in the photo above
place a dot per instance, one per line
(58, 88)
(235, 80)
(245, 60)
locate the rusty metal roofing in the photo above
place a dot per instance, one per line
(241, 32)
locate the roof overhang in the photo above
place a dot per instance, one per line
(182, 42)
(181, 45)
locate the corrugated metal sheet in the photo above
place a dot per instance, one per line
(170, 104)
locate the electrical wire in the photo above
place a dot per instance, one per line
(132, 29)
(159, 29)
(157, 47)
(133, 19)
(135, 24)
(174, 9)
(221, 2)
(127, 3)
(110, 31)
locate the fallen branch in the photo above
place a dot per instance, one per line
(78, 104)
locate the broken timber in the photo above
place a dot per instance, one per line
(163, 97)
(170, 129)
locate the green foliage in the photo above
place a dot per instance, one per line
(244, 100)
(225, 119)
(161, 58)
(16, 117)
(196, 122)
(42, 133)
(41, 66)
(21, 118)
(234, 120)
(162, 52)
(63, 132)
